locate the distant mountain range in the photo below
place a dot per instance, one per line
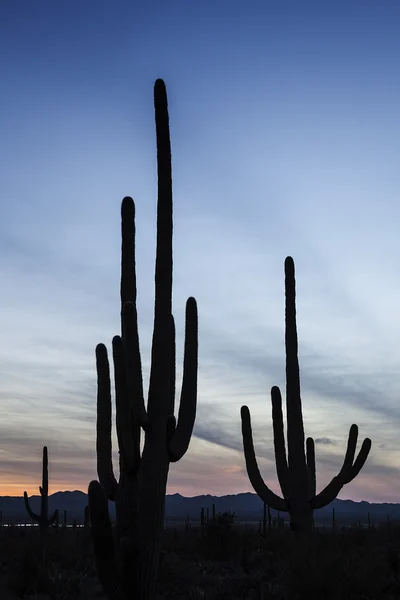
(247, 507)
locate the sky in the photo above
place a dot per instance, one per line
(285, 130)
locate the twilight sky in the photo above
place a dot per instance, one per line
(285, 129)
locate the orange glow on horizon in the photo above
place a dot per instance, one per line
(232, 483)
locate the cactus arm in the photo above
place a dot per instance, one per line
(30, 512)
(279, 441)
(129, 320)
(267, 495)
(351, 467)
(172, 381)
(128, 429)
(103, 425)
(348, 471)
(103, 543)
(180, 439)
(359, 462)
(310, 458)
(171, 419)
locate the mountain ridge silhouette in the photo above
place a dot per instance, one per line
(246, 505)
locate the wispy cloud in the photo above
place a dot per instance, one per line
(324, 441)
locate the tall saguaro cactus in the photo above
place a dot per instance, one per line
(296, 472)
(131, 571)
(42, 519)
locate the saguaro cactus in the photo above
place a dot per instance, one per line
(296, 474)
(43, 518)
(140, 492)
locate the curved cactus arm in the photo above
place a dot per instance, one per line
(180, 439)
(351, 467)
(103, 426)
(282, 469)
(310, 459)
(349, 475)
(128, 429)
(267, 495)
(348, 471)
(103, 543)
(53, 518)
(30, 512)
(134, 378)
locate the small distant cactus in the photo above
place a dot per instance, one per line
(56, 523)
(86, 517)
(43, 518)
(296, 474)
(187, 523)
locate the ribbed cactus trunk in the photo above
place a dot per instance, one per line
(151, 525)
(299, 493)
(155, 457)
(139, 494)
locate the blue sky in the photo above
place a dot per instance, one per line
(285, 134)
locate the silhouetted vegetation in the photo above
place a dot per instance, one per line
(296, 471)
(139, 495)
(355, 564)
(43, 518)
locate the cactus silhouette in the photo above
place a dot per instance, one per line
(86, 516)
(131, 569)
(296, 473)
(42, 519)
